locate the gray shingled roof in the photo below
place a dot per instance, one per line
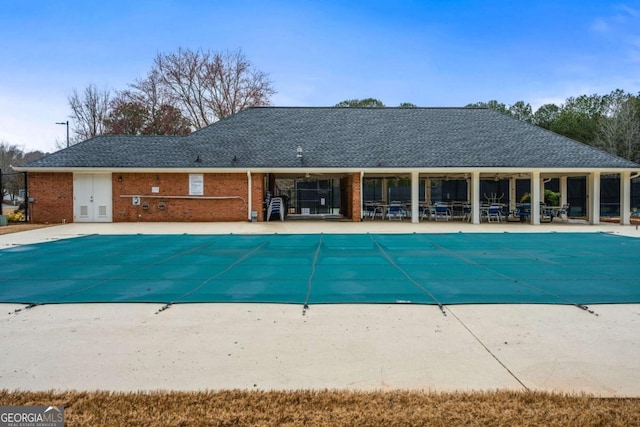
(353, 138)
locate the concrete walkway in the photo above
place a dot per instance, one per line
(363, 347)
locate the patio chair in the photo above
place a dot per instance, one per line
(494, 213)
(427, 212)
(443, 212)
(563, 213)
(371, 210)
(546, 213)
(466, 213)
(395, 211)
(276, 206)
(524, 212)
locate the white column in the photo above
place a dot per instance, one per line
(535, 198)
(593, 197)
(427, 191)
(625, 198)
(415, 197)
(475, 197)
(512, 194)
(563, 191)
(385, 191)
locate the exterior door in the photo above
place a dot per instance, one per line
(92, 198)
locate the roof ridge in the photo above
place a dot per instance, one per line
(328, 107)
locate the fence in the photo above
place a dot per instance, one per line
(15, 194)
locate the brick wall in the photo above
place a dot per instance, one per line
(53, 193)
(258, 194)
(355, 196)
(53, 197)
(159, 209)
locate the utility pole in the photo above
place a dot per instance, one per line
(65, 123)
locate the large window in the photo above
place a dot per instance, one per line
(317, 196)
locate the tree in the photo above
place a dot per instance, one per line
(89, 111)
(128, 117)
(11, 155)
(619, 128)
(407, 105)
(545, 115)
(125, 117)
(579, 118)
(160, 117)
(235, 84)
(362, 103)
(167, 120)
(207, 86)
(493, 104)
(521, 111)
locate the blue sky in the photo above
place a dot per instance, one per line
(317, 53)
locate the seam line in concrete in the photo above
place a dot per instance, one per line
(487, 349)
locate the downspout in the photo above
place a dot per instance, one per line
(249, 204)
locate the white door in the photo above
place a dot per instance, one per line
(92, 198)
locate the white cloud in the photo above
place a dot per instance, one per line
(600, 26)
(630, 11)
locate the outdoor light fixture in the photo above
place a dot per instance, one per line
(67, 124)
(299, 152)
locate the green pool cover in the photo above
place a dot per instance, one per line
(545, 268)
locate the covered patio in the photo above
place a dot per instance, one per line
(478, 196)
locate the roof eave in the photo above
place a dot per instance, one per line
(484, 169)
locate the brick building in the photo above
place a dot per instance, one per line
(323, 162)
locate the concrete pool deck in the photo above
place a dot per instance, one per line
(361, 347)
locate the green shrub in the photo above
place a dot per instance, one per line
(551, 198)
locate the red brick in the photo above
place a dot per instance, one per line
(53, 197)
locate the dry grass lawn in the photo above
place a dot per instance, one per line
(332, 408)
(17, 227)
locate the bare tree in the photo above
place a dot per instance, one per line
(167, 120)
(89, 109)
(146, 109)
(233, 84)
(619, 130)
(207, 86)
